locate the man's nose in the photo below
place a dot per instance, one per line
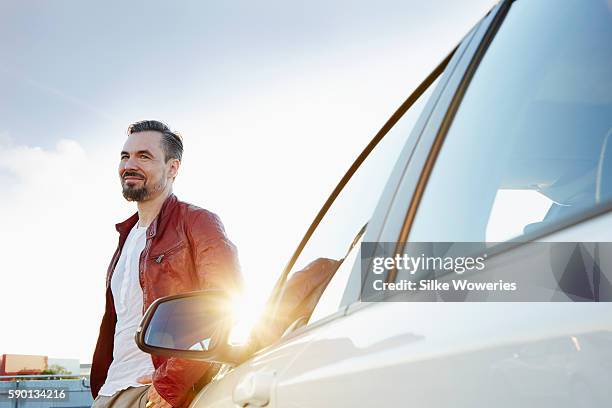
(130, 164)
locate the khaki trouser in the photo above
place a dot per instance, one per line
(133, 397)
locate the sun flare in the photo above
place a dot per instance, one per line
(246, 312)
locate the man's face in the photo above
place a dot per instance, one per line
(143, 171)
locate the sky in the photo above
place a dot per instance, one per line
(274, 100)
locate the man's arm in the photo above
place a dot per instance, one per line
(215, 256)
(216, 267)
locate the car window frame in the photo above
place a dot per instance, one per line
(439, 72)
(386, 221)
(279, 286)
(435, 83)
(442, 131)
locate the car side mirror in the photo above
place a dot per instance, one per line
(193, 325)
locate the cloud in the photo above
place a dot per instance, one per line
(56, 243)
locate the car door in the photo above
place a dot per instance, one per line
(516, 148)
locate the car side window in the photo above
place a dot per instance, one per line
(336, 239)
(531, 142)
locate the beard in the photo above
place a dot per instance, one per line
(133, 193)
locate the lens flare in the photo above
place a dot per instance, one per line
(246, 312)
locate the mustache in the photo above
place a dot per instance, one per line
(132, 174)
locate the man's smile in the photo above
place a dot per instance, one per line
(130, 176)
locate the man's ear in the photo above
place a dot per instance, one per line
(174, 164)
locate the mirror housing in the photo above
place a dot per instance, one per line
(194, 325)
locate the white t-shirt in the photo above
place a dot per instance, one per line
(129, 362)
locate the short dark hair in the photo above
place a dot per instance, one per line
(172, 143)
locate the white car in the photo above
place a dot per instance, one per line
(506, 141)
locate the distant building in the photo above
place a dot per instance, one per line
(22, 364)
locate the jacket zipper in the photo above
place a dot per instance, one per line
(159, 258)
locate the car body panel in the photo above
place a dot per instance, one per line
(274, 359)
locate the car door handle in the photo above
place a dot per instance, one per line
(254, 389)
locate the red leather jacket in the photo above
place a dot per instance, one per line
(186, 249)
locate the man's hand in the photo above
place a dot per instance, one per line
(154, 399)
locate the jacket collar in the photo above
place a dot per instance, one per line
(158, 223)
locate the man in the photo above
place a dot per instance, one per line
(167, 247)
